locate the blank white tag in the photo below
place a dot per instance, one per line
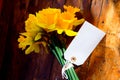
(83, 44)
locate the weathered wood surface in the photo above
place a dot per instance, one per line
(103, 64)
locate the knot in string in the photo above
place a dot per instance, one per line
(67, 66)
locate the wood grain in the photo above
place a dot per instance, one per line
(103, 64)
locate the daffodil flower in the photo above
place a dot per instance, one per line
(67, 21)
(29, 40)
(47, 18)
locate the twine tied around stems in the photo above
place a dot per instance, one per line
(67, 66)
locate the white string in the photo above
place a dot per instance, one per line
(67, 66)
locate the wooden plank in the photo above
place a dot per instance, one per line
(5, 20)
(17, 65)
(110, 22)
(75, 3)
(56, 71)
(3, 35)
(1, 2)
(104, 63)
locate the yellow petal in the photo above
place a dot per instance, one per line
(78, 22)
(70, 33)
(21, 45)
(33, 47)
(59, 31)
(21, 39)
(71, 9)
(29, 50)
(37, 37)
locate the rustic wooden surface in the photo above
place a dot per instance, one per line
(103, 64)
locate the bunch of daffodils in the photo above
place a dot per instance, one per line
(43, 27)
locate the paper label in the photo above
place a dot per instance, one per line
(83, 44)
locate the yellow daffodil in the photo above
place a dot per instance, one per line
(47, 18)
(67, 21)
(29, 39)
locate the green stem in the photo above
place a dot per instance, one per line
(58, 53)
(54, 52)
(58, 49)
(72, 69)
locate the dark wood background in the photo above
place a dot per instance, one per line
(103, 64)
